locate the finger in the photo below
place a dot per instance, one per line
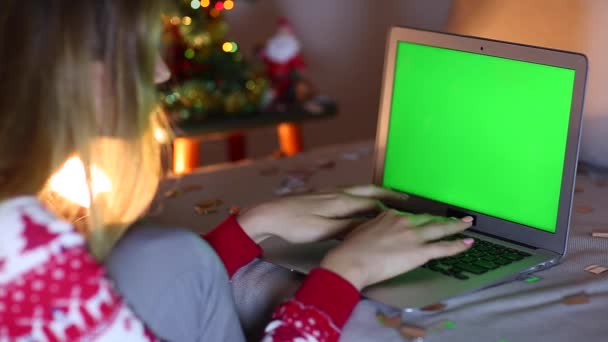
(344, 205)
(376, 192)
(417, 220)
(437, 231)
(446, 248)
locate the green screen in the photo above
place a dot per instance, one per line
(478, 132)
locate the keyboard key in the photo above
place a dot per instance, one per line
(502, 261)
(511, 256)
(460, 276)
(482, 257)
(472, 268)
(487, 264)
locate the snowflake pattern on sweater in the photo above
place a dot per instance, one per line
(51, 289)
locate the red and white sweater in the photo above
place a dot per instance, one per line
(52, 289)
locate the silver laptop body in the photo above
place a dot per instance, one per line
(424, 286)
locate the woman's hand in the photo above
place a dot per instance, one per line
(314, 217)
(394, 243)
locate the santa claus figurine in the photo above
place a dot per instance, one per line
(284, 65)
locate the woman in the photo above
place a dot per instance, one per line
(78, 79)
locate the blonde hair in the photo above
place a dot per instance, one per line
(49, 104)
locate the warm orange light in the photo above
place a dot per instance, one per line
(228, 5)
(70, 182)
(187, 21)
(205, 3)
(176, 21)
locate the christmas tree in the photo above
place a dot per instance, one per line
(210, 74)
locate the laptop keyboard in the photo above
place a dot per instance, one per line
(482, 257)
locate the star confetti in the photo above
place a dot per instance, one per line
(208, 206)
(600, 233)
(173, 193)
(584, 210)
(576, 299)
(412, 331)
(434, 307)
(596, 269)
(325, 164)
(532, 279)
(389, 321)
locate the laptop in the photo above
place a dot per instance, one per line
(477, 127)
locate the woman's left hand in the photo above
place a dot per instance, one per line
(315, 217)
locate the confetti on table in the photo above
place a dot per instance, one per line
(449, 325)
(294, 183)
(389, 321)
(600, 233)
(584, 210)
(579, 189)
(434, 307)
(234, 210)
(313, 108)
(350, 156)
(596, 269)
(602, 183)
(412, 331)
(173, 193)
(325, 164)
(365, 151)
(576, 299)
(208, 206)
(532, 279)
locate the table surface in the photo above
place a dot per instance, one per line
(516, 311)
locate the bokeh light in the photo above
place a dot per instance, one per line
(176, 20)
(231, 47)
(189, 53)
(228, 5)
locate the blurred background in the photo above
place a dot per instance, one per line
(342, 45)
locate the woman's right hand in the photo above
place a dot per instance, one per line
(394, 243)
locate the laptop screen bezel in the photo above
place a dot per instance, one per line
(494, 226)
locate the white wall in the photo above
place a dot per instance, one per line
(343, 45)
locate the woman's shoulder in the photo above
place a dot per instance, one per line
(31, 235)
(51, 288)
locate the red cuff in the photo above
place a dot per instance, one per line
(329, 293)
(233, 245)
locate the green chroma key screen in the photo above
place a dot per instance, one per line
(478, 132)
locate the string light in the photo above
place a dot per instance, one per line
(189, 53)
(228, 5)
(176, 21)
(195, 4)
(231, 47)
(219, 5)
(187, 21)
(205, 3)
